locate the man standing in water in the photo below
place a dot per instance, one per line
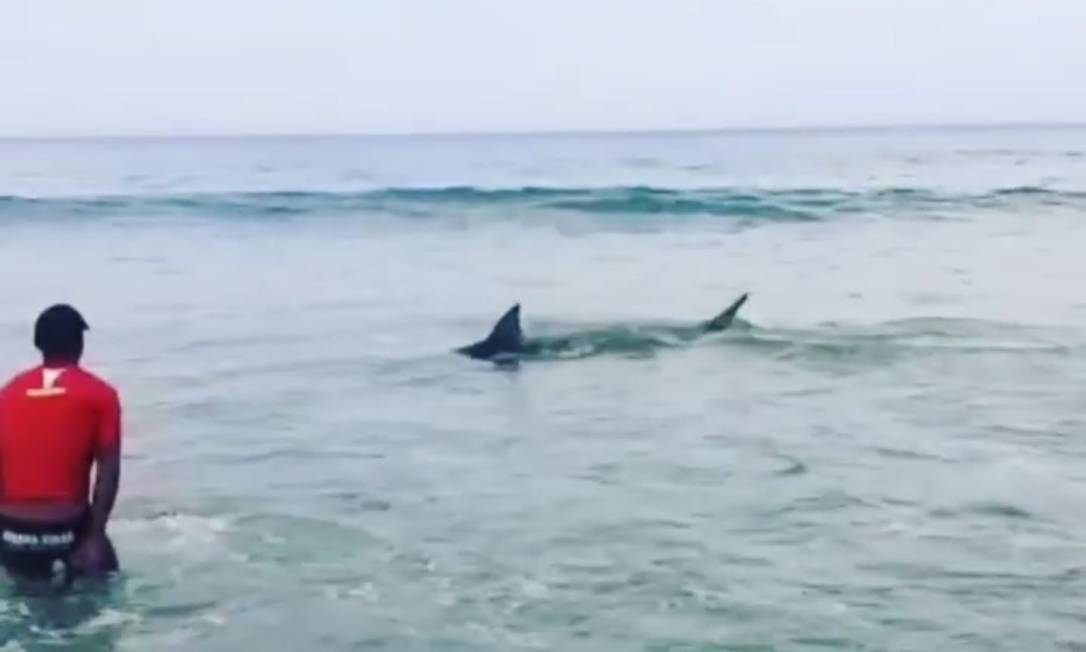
(57, 421)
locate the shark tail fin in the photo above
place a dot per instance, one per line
(725, 319)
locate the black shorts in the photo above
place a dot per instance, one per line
(33, 549)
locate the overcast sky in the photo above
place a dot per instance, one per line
(78, 67)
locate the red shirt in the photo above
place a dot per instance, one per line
(53, 423)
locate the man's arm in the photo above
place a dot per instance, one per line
(3, 392)
(107, 480)
(5, 396)
(107, 477)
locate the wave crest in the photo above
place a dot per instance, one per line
(796, 204)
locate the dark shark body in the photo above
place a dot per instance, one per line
(506, 340)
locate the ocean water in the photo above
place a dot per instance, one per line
(887, 453)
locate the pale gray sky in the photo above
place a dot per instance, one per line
(75, 67)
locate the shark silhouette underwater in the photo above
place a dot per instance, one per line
(507, 342)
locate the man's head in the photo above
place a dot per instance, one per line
(58, 333)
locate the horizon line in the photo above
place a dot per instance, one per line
(517, 133)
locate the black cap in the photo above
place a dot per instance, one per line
(59, 330)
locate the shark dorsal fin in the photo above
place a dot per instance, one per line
(725, 319)
(507, 335)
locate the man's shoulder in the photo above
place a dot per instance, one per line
(18, 383)
(21, 378)
(76, 379)
(94, 382)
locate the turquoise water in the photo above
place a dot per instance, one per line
(886, 454)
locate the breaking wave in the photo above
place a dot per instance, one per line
(797, 204)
